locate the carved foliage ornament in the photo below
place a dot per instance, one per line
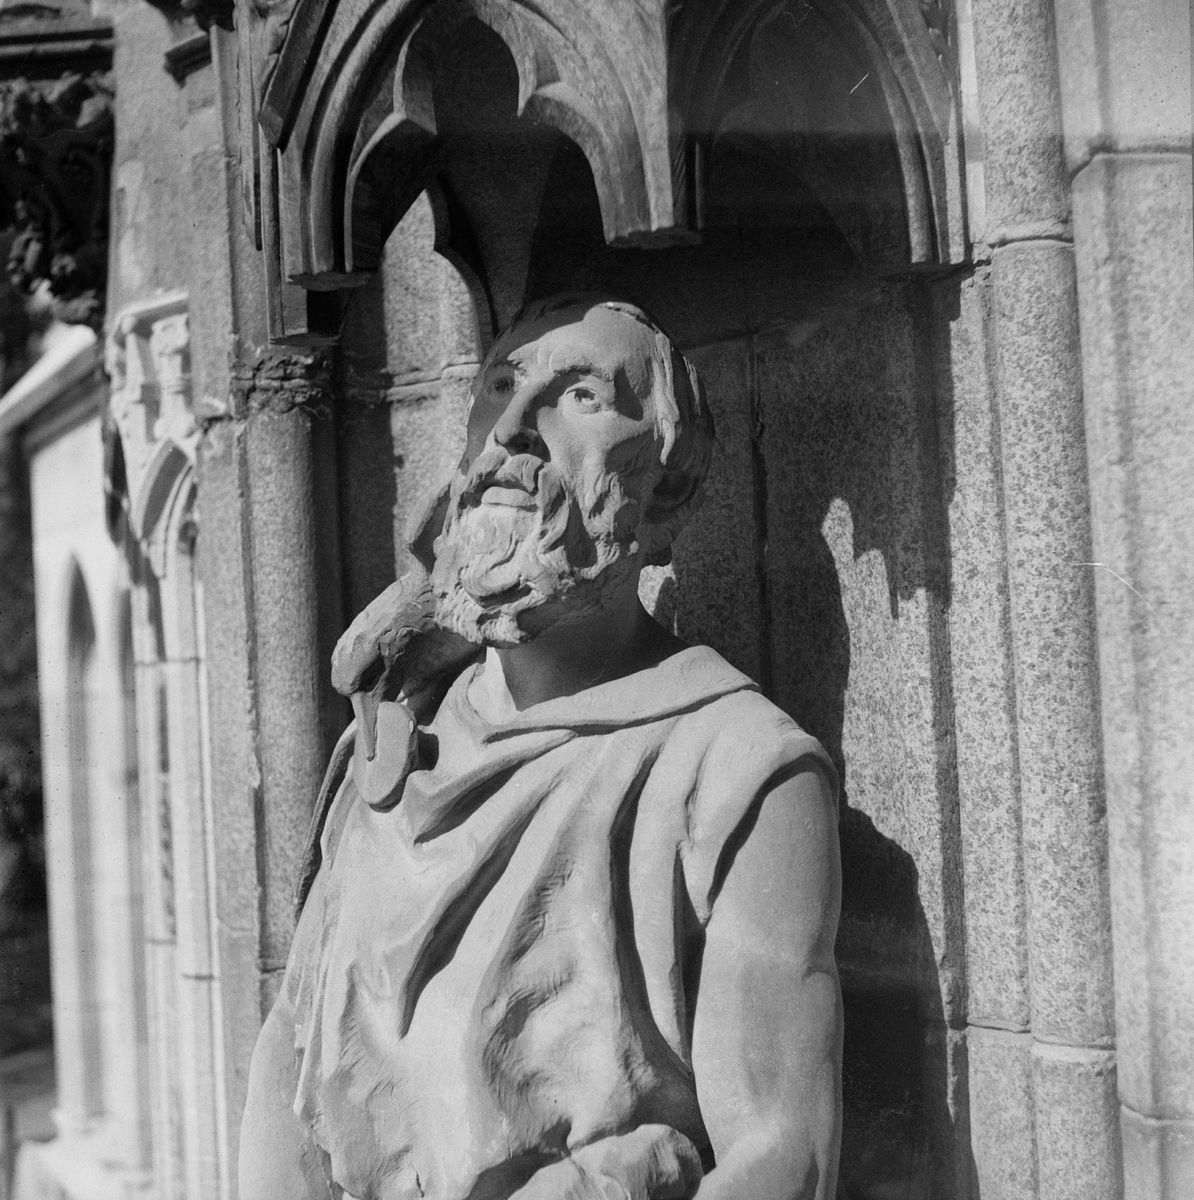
(55, 160)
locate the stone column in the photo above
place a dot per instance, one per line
(259, 562)
(1042, 1096)
(268, 602)
(278, 475)
(1126, 87)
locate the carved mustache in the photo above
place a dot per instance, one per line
(496, 468)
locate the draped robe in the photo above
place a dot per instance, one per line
(503, 968)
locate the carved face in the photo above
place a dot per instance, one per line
(546, 512)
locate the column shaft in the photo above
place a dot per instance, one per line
(1057, 1081)
(1126, 89)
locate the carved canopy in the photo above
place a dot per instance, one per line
(344, 98)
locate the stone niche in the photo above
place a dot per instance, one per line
(819, 564)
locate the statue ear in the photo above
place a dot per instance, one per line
(671, 497)
(675, 498)
(425, 525)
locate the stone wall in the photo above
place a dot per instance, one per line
(929, 484)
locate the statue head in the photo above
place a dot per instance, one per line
(588, 443)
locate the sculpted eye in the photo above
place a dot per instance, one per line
(585, 396)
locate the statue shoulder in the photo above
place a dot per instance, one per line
(746, 746)
(747, 738)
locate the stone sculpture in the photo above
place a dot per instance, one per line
(571, 895)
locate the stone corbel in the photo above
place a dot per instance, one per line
(150, 409)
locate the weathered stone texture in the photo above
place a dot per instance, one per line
(1025, 184)
(365, 470)
(1001, 1110)
(281, 554)
(981, 659)
(236, 778)
(856, 585)
(1074, 1090)
(1052, 609)
(415, 317)
(1125, 69)
(1040, 1116)
(1136, 280)
(856, 589)
(410, 348)
(428, 438)
(211, 315)
(714, 597)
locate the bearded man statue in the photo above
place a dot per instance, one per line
(568, 909)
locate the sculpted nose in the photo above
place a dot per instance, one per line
(515, 429)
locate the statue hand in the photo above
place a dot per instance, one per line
(391, 663)
(652, 1162)
(370, 646)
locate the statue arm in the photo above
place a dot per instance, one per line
(766, 1047)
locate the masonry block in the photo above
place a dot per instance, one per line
(1025, 182)
(1078, 1146)
(1001, 1114)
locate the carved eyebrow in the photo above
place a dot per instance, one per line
(578, 367)
(583, 367)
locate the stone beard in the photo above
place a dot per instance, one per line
(523, 548)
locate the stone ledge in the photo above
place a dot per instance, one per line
(70, 1168)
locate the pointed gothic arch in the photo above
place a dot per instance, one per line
(353, 114)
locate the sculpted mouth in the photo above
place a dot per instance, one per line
(510, 595)
(511, 497)
(512, 482)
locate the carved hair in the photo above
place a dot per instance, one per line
(682, 415)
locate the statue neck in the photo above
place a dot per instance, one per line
(568, 657)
